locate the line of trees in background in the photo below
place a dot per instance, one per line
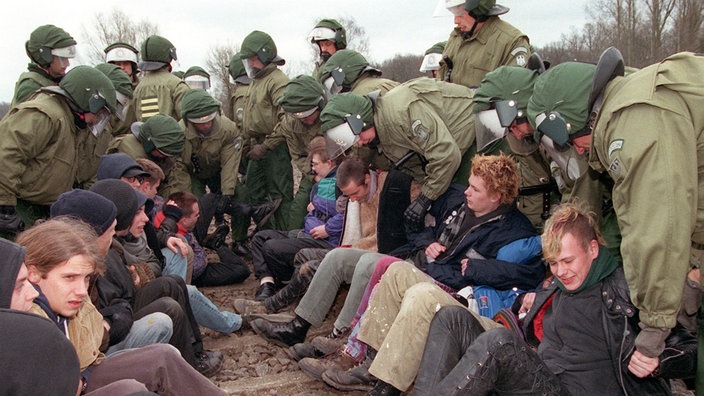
(644, 30)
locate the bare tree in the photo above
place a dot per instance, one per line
(688, 26)
(402, 68)
(659, 13)
(113, 27)
(216, 64)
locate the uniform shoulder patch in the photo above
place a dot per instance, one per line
(419, 130)
(615, 145)
(519, 53)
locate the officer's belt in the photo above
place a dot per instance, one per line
(538, 189)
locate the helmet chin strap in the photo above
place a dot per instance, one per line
(470, 33)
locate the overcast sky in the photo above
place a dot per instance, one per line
(196, 26)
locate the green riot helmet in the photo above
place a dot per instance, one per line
(502, 98)
(342, 70)
(343, 119)
(123, 87)
(48, 41)
(162, 133)
(157, 52)
(262, 46)
(90, 91)
(558, 110)
(302, 96)
(196, 77)
(481, 10)
(237, 72)
(199, 107)
(432, 57)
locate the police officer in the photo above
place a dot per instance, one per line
(303, 100)
(126, 57)
(431, 59)
(197, 78)
(427, 121)
(91, 147)
(480, 42)
(349, 71)
(159, 91)
(238, 77)
(38, 143)
(645, 131)
(160, 139)
(269, 173)
(329, 36)
(49, 48)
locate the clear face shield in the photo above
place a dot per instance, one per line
(122, 105)
(340, 138)
(249, 68)
(198, 82)
(442, 8)
(333, 84)
(488, 129)
(553, 132)
(101, 119)
(63, 55)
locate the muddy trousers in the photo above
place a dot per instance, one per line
(460, 358)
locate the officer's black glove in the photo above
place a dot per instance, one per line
(173, 212)
(414, 216)
(9, 220)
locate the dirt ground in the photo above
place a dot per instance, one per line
(252, 365)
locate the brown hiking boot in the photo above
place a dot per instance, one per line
(319, 347)
(248, 307)
(356, 378)
(315, 368)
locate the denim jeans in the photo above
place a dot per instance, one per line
(208, 315)
(155, 328)
(174, 263)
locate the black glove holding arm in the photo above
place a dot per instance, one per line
(9, 220)
(414, 215)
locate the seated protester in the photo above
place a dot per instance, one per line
(173, 253)
(113, 292)
(588, 330)
(273, 251)
(487, 241)
(363, 187)
(141, 283)
(37, 358)
(150, 184)
(61, 256)
(205, 313)
(229, 270)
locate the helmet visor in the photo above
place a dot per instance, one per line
(65, 52)
(102, 118)
(488, 128)
(251, 70)
(332, 88)
(570, 162)
(198, 82)
(339, 139)
(430, 62)
(321, 33)
(121, 105)
(553, 126)
(303, 114)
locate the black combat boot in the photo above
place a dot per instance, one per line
(282, 334)
(217, 239)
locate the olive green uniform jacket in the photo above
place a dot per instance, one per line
(431, 118)
(363, 85)
(159, 92)
(261, 110)
(496, 43)
(90, 149)
(38, 150)
(649, 137)
(175, 173)
(34, 78)
(217, 154)
(298, 137)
